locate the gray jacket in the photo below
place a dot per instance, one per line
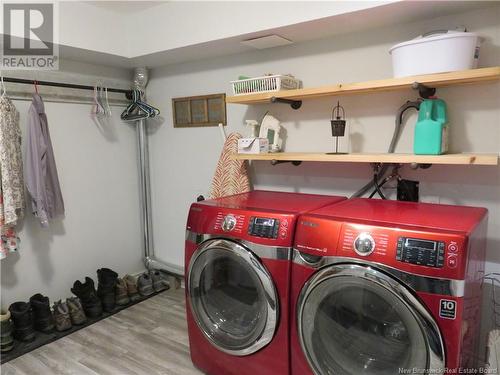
(41, 173)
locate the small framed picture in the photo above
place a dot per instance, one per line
(195, 111)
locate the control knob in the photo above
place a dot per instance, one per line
(229, 223)
(364, 244)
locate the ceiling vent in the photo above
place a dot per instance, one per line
(268, 41)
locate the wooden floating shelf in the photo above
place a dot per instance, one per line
(457, 159)
(391, 84)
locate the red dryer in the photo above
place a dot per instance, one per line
(238, 263)
(384, 287)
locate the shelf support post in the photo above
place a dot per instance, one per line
(295, 104)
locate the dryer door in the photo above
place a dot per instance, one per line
(232, 297)
(356, 320)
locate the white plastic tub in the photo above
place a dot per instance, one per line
(443, 51)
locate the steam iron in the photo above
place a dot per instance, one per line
(270, 128)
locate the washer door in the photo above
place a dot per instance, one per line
(356, 320)
(232, 297)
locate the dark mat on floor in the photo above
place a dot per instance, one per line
(41, 338)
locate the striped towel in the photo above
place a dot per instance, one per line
(231, 176)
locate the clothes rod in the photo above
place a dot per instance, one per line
(128, 93)
(70, 100)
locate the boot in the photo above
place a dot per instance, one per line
(88, 297)
(132, 291)
(121, 294)
(6, 329)
(106, 288)
(22, 317)
(40, 306)
(145, 284)
(61, 316)
(76, 311)
(160, 282)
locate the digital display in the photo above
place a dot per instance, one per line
(420, 252)
(421, 244)
(264, 222)
(263, 227)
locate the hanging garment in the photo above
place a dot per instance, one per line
(493, 353)
(11, 163)
(231, 175)
(8, 238)
(42, 181)
(11, 176)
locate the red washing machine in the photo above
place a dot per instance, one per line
(238, 263)
(383, 287)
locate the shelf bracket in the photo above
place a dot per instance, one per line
(294, 162)
(295, 104)
(424, 91)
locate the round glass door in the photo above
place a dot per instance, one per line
(355, 320)
(232, 297)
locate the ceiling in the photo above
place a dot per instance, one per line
(157, 33)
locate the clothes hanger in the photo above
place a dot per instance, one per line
(35, 83)
(94, 112)
(102, 109)
(108, 108)
(138, 110)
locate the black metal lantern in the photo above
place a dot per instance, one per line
(338, 123)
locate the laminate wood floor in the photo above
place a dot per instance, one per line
(145, 339)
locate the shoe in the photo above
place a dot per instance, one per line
(62, 316)
(159, 281)
(40, 305)
(6, 328)
(106, 288)
(132, 291)
(22, 316)
(145, 284)
(76, 311)
(88, 297)
(121, 294)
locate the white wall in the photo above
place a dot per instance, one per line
(98, 175)
(183, 160)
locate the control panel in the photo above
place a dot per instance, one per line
(428, 253)
(421, 252)
(263, 227)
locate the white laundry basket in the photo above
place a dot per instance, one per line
(436, 52)
(265, 84)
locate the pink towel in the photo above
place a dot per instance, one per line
(231, 175)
